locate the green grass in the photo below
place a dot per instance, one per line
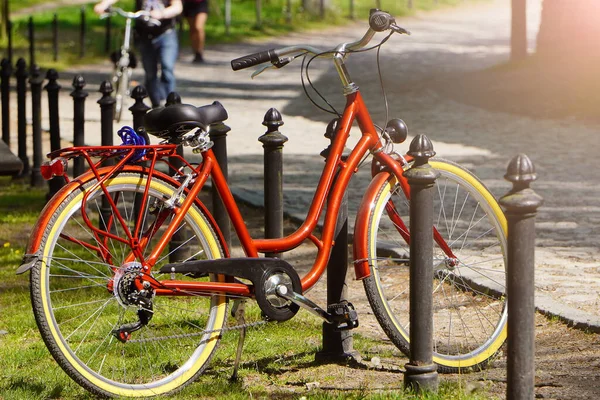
(243, 25)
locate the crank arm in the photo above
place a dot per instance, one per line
(305, 303)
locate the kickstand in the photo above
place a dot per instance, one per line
(237, 312)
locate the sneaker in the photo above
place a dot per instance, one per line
(198, 59)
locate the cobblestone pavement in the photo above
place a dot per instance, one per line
(444, 45)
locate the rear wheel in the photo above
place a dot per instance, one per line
(82, 293)
(469, 296)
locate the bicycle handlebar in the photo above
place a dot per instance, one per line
(131, 15)
(379, 21)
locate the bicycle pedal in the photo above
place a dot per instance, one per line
(343, 315)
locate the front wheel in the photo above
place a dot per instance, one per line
(82, 291)
(121, 91)
(469, 296)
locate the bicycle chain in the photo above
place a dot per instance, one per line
(186, 335)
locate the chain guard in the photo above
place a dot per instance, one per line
(264, 273)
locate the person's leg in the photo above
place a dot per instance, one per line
(169, 48)
(194, 34)
(200, 22)
(150, 63)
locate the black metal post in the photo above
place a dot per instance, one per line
(337, 345)
(177, 250)
(5, 74)
(78, 95)
(421, 373)
(82, 29)
(10, 41)
(53, 89)
(106, 113)
(31, 42)
(521, 204)
(21, 74)
(55, 37)
(139, 110)
(273, 141)
(218, 135)
(107, 38)
(107, 103)
(36, 124)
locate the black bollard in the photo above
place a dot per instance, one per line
(273, 141)
(421, 373)
(21, 74)
(177, 249)
(107, 103)
(55, 37)
(36, 125)
(337, 344)
(521, 204)
(139, 110)
(82, 29)
(9, 27)
(78, 95)
(31, 42)
(218, 135)
(5, 73)
(53, 88)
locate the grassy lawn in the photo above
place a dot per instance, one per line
(243, 25)
(278, 359)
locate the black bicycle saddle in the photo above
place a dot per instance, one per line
(172, 121)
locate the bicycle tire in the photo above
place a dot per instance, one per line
(469, 299)
(76, 314)
(121, 91)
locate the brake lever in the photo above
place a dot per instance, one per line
(282, 62)
(260, 70)
(400, 30)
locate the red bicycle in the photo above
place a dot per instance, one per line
(123, 320)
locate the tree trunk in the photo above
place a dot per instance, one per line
(570, 29)
(518, 36)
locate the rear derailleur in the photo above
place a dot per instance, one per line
(128, 295)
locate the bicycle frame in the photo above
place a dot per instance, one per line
(328, 189)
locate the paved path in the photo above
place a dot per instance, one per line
(444, 45)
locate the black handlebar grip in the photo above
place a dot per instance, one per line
(380, 21)
(254, 59)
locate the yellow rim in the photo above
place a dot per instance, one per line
(491, 201)
(220, 305)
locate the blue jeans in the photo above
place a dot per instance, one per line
(161, 50)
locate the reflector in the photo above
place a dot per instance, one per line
(56, 167)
